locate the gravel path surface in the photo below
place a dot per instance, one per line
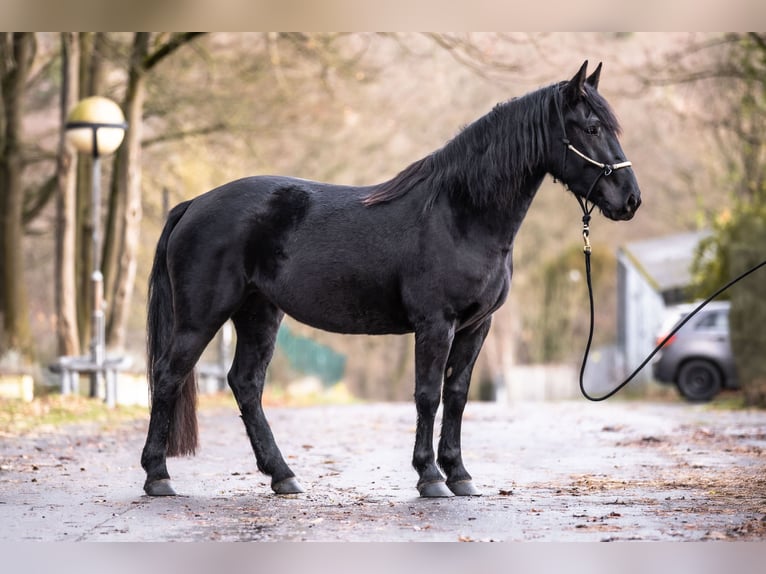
(568, 471)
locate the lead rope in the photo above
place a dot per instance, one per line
(697, 309)
(606, 170)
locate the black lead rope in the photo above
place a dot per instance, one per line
(605, 170)
(697, 309)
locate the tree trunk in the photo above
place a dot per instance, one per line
(17, 51)
(91, 78)
(129, 173)
(114, 227)
(124, 227)
(66, 208)
(114, 222)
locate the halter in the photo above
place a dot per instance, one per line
(605, 170)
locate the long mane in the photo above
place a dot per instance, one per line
(488, 162)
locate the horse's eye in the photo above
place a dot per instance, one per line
(592, 130)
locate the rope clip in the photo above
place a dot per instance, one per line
(586, 238)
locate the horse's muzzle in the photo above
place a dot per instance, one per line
(632, 203)
(626, 212)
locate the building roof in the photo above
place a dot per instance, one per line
(665, 261)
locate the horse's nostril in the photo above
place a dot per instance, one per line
(633, 202)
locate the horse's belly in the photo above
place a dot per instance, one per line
(349, 321)
(344, 305)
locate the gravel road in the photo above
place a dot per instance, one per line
(566, 471)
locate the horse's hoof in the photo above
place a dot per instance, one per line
(160, 487)
(463, 488)
(287, 486)
(436, 489)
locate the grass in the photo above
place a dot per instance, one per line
(49, 412)
(52, 411)
(730, 401)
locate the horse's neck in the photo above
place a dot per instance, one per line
(517, 210)
(501, 219)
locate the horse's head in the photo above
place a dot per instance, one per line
(585, 152)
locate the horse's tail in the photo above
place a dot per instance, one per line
(182, 434)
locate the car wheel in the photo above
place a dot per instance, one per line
(699, 380)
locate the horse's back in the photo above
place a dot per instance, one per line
(259, 211)
(313, 249)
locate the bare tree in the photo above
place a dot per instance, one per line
(65, 285)
(17, 52)
(144, 58)
(729, 72)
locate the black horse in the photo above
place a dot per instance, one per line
(428, 251)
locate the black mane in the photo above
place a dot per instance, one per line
(487, 163)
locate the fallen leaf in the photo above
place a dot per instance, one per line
(650, 440)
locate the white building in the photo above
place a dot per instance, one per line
(651, 275)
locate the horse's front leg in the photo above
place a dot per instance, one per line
(432, 346)
(457, 379)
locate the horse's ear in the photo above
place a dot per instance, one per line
(575, 87)
(594, 77)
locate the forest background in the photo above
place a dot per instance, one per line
(204, 109)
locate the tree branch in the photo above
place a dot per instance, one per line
(168, 48)
(35, 201)
(466, 52)
(179, 135)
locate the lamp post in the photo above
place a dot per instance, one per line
(96, 126)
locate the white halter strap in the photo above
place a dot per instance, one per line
(605, 166)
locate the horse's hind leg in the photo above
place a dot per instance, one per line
(173, 420)
(173, 375)
(257, 322)
(457, 378)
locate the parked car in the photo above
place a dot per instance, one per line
(697, 359)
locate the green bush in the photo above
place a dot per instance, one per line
(737, 244)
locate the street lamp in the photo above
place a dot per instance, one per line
(96, 126)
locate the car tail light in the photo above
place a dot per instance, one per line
(661, 338)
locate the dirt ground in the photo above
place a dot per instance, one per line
(567, 471)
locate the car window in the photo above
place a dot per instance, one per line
(714, 321)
